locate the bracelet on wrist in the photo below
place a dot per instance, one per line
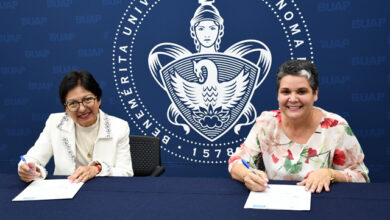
(332, 177)
(99, 166)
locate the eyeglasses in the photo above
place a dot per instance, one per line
(74, 105)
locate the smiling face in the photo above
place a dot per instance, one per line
(85, 115)
(207, 33)
(296, 97)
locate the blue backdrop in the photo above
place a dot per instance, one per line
(40, 41)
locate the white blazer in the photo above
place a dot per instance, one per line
(111, 149)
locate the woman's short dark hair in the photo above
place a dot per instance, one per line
(295, 67)
(82, 78)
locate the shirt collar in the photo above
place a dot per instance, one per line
(67, 124)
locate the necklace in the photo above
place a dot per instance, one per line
(86, 138)
(89, 155)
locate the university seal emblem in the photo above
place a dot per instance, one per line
(210, 90)
(200, 98)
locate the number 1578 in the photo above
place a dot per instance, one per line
(206, 153)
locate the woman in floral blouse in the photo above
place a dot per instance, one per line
(299, 142)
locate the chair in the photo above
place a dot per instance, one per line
(145, 156)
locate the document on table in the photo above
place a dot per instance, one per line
(48, 190)
(280, 197)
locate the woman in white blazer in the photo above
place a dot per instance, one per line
(84, 141)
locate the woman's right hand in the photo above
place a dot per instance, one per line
(255, 182)
(28, 173)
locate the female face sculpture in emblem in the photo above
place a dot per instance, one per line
(207, 27)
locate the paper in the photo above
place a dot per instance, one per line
(49, 189)
(280, 197)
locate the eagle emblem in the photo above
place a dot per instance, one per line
(210, 90)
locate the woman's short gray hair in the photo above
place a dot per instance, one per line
(298, 68)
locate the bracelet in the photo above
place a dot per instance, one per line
(99, 166)
(332, 178)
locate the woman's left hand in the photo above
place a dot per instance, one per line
(83, 174)
(317, 180)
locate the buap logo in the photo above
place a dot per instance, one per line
(198, 102)
(210, 90)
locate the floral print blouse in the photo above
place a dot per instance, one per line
(332, 145)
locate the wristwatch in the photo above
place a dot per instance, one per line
(98, 165)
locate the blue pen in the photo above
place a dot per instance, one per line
(25, 162)
(251, 169)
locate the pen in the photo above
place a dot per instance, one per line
(25, 162)
(251, 169)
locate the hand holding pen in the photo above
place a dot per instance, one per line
(27, 171)
(255, 180)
